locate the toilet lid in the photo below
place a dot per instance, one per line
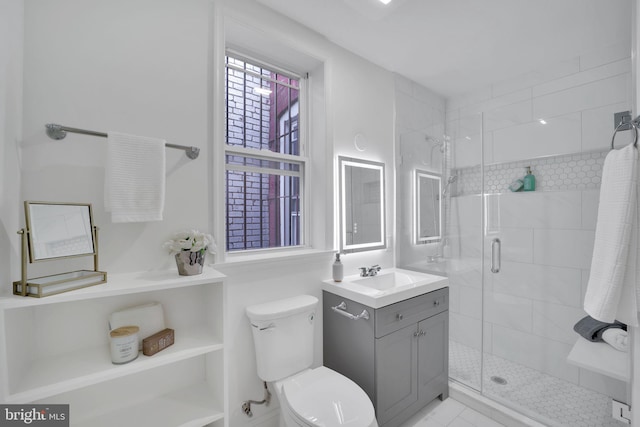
(323, 397)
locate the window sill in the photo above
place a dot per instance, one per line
(268, 257)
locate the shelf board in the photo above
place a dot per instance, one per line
(54, 375)
(600, 357)
(190, 407)
(121, 284)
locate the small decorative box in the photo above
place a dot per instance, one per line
(157, 342)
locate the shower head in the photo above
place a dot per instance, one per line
(435, 142)
(450, 180)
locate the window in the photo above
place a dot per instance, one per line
(264, 166)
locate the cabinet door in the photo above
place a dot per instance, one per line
(433, 356)
(396, 372)
(349, 345)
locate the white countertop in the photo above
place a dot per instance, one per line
(389, 286)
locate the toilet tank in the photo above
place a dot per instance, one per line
(283, 334)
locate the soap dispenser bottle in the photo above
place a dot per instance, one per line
(529, 181)
(338, 269)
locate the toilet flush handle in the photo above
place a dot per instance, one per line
(264, 328)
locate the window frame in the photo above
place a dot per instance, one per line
(302, 161)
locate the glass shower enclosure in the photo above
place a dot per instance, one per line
(518, 262)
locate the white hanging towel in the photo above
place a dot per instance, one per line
(134, 178)
(612, 287)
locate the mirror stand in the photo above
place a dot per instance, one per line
(50, 285)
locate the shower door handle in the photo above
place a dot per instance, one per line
(495, 255)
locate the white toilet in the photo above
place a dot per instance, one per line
(283, 332)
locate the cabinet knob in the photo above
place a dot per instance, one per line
(399, 316)
(436, 302)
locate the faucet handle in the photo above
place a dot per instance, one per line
(373, 270)
(363, 271)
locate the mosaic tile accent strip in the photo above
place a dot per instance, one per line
(581, 171)
(552, 401)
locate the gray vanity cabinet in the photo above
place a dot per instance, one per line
(399, 356)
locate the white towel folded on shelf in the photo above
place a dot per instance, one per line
(612, 287)
(616, 338)
(135, 178)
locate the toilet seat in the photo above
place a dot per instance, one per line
(323, 397)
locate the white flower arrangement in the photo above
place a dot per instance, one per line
(191, 240)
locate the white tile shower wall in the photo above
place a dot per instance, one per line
(530, 140)
(537, 296)
(530, 307)
(419, 130)
(580, 171)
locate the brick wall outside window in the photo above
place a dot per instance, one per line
(260, 205)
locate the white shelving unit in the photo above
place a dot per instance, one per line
(56, 350)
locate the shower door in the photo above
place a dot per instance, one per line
(519, 262)
(464, 218)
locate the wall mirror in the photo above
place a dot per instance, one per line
(427, 207)
(362, 204)
(58, 230)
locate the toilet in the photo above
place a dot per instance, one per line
(283, 333)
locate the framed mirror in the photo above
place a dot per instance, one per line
(59, 230)
(362, 205)
(427, 207)
(53, 231)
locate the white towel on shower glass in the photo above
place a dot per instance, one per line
(134, 178)
(612, 287)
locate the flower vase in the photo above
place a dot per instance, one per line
(190, 263)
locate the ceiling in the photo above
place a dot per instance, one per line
(454, 47)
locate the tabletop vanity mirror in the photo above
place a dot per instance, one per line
(56, 231)
(362, 205)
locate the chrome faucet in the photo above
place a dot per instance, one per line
(369, 271)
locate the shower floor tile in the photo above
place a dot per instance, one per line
(547, 399)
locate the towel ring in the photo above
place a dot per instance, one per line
(618, 128)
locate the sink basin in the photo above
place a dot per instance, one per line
(387, 280)
(389, 286)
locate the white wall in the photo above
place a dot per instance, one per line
(137, 67)
(635, 368)
(11, 51)
(547, 236)
(357, 98)
(142, 67)
(128, 69)
(420, 114)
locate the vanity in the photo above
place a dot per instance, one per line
(389, 334)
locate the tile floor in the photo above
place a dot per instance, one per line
(449, 413)
(530, 391)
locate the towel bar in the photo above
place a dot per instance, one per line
(58, 132)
